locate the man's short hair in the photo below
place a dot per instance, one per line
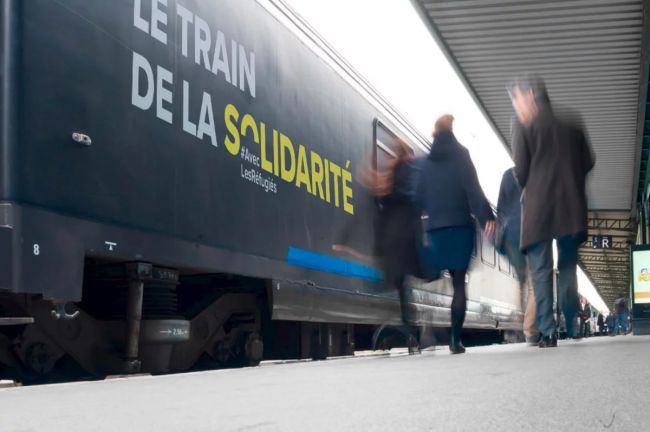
(530, 82)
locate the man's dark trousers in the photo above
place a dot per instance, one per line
(540, 260)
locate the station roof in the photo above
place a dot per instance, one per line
(592, 55)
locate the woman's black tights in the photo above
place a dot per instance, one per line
(459, 302)
(400, 283)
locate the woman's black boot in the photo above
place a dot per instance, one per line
(455, 345)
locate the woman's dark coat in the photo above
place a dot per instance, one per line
(448, 190)
(397, 227)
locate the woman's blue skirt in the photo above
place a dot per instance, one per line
(447, 248)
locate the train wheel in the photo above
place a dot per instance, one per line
(253, 349)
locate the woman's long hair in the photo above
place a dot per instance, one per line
(382, 182)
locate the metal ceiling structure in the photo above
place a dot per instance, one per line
(593, 57)
(609, 269)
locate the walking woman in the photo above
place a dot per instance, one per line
(395, 240)
(449, 195)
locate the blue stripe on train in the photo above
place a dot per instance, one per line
(316, 261)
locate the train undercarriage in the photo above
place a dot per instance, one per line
(139, 318)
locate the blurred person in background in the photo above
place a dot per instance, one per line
(449, 194)
(622, 315)
(611, 324)
(507, 243)
(585, 315)
(552, 160)
(601, 324)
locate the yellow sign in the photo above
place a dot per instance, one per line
(641, 280)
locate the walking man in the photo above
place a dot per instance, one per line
(552, 159)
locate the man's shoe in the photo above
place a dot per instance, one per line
(533, 340)
(548, 342)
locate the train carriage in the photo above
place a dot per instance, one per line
(174, 176)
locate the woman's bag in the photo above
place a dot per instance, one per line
(500, 236)
(428, 270)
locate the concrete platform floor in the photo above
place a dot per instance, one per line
(600, 383)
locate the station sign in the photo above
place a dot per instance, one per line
(602, 242)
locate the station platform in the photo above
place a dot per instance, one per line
(600, 383)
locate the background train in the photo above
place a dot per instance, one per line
(174, 176)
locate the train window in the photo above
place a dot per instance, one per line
(504, 264)
(385, 143)
(487, 252)
(383, 155)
